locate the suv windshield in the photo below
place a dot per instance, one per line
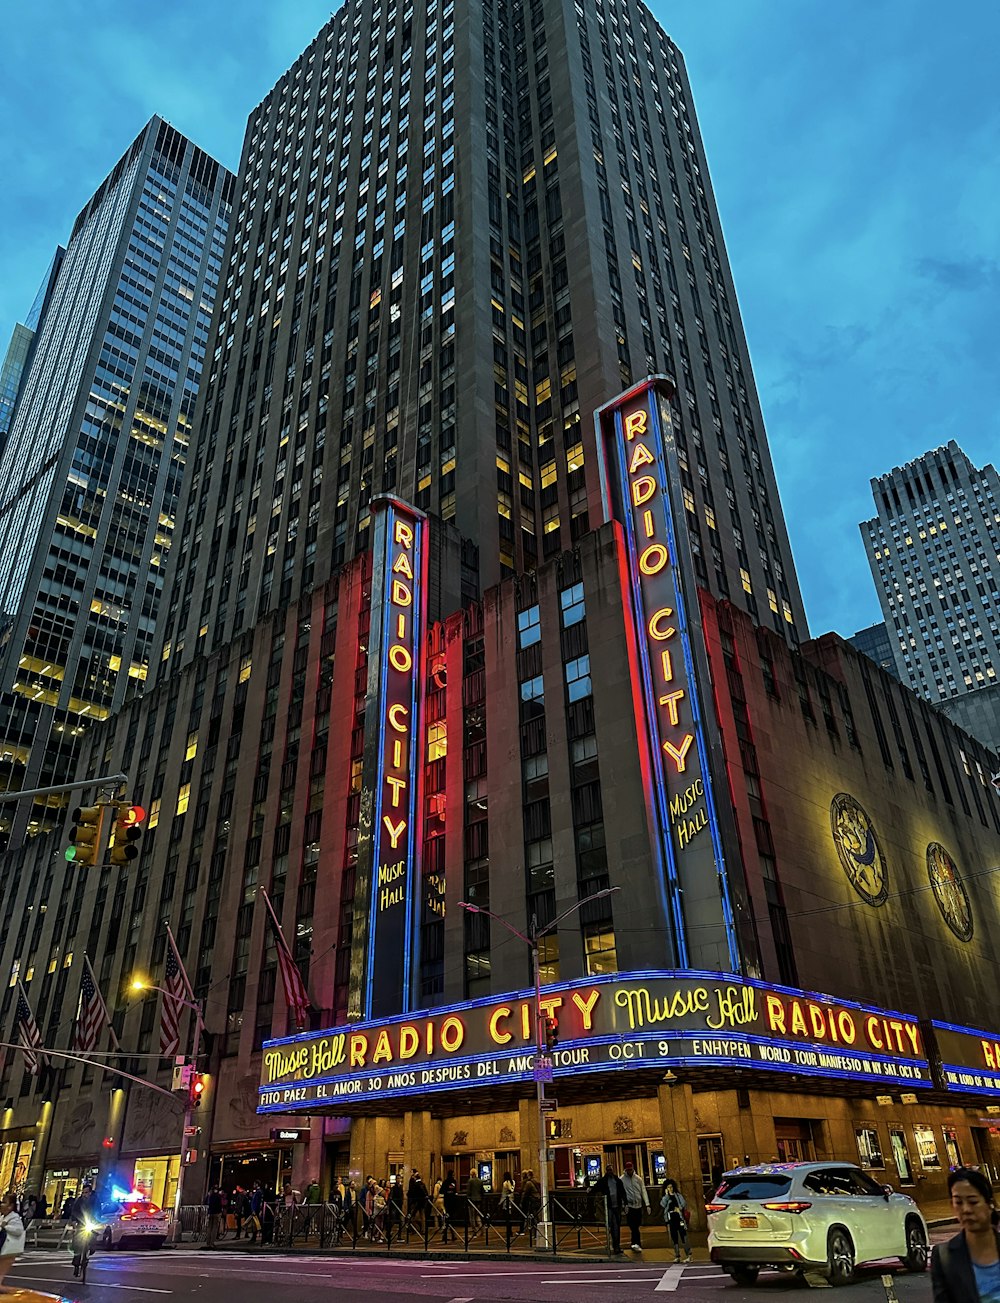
(754, 1187)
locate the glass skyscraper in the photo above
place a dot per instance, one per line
(91, 468)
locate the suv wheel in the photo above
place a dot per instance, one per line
(916, 1247)
(840, 1257)
(744, 1275)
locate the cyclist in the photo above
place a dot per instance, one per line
(83, 1216)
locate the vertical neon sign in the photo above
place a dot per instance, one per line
(641, 487)
(385, 898)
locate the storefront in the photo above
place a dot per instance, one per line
(266, 1163)
(62, 1183)
(15, 1159)
(156, 1178)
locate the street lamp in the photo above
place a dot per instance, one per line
(140, 985)
(531, 940)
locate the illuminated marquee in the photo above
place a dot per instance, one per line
(969, 1059)
(667, 657)
(388, 841)
(657, 1020)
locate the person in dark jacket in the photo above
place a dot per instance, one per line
(610, 1186)
(214, 1207)
(449, 1194)
(967, 1268)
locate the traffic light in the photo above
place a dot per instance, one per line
(126, 833)
(85, 835)
(551, 1033)
(198, 1084)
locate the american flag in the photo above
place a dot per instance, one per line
(296, 995)
(175, 986)
(28, 1034)
(93, 1013)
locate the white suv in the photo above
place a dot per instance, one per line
(811, 1217)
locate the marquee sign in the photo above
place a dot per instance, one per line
(388, 833)
(626, 1020)
(969, 1059)
(682, 768)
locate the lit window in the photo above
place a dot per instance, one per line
(437, 741)
(191, 750)
(745, 579)
(600, 951)
(183, 797)
(153, 818)
(246, 665)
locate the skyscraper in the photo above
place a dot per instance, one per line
(933, 551)
(91, 468)
(461, 229)
(21, 347)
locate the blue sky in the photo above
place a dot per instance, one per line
(853, 147)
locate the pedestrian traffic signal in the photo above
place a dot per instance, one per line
(554, 1126)
(197, 1089)
(85, 835)
(126, 833)
(551, 1033)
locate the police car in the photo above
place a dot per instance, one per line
(130, 1218)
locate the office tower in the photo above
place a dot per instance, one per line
(875, 643)
(21, 347)
(91, 468)
(933, 549)
(461, 229)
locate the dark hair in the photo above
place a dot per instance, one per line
(977, 1180)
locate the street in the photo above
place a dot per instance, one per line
(188, 1273)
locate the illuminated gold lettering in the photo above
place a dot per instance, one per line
(397, 717)
(667, 665)
(359, 1049)
(398, 785)
(658, 630)
(736, 1006)
(401, 626)
(452, 1034)
(644, 1011)
(641, 456)
(525, 1022)
(395, 831)
(586, 1006)
(635, 423)
(500, 1037)
(409, 1041)
(653, 558)
(775, 1011)
(402, 566)
(397, 754)
(647, 524)
(400, 658)
(549, 1004)
(642, 488)
(678, 754)
(401, 594)
(670, 700)
(403, 534)
(383, 1050)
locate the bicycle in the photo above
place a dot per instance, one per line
(83, 1248)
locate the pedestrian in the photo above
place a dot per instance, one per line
(11, 1234)
(636, 1199)
(395, 1204)
(416, 1201)
(531, 1201)
(267, 1207)
(256, 1207)
(474, 1192)
(449, 1201)
(213, 1206)
(239, 1205)
(67, 1206)
(966, 1269)
(611, 1187)
(42, 1208)
(676, 1216)
(313, 1192)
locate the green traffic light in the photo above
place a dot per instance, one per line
(70, 853)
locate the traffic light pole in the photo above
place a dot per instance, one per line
(177, 1235)
(109, 780)
(544, 1226)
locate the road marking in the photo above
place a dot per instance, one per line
(671, 1279)
(470, 1299)
(105, 1284)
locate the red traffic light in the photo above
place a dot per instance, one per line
(131, 815)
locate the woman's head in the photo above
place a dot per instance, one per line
(671, 1186)
(7, 1204)
(506, 1176)
(972, 1199)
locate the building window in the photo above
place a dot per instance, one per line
(528, 627)
(437, 741)
(571, 602)
(927, 1148)
(578, 678)
(600, 951)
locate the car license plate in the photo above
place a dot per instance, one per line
(748, 1223)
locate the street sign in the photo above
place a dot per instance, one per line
(907, 1098)
(181, 1078)
(190, 1132)
(543, 1069)
(549, 1105)
(190, 1156)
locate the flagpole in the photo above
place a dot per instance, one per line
(178, 1231)
(297, 1008)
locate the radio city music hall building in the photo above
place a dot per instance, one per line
(780, 824)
